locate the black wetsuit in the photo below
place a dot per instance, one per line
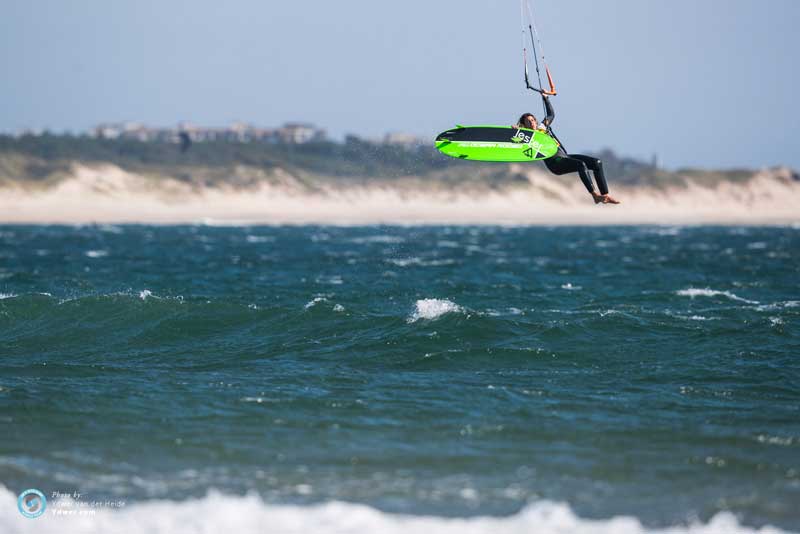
(565, 163)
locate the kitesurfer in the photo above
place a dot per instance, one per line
(565, 163)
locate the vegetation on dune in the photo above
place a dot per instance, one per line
(46, 159)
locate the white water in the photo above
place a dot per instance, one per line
(695, 292)
(316, 300)
(249, 514)
(96, 253)
(433, 309)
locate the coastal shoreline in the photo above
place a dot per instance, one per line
(107, 194)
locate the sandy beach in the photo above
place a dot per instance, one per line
(108, 194)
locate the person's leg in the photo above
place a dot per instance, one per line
(595, 165)
(565, 165)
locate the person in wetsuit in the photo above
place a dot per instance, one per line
(565, 163)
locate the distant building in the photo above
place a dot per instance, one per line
(29, 132)
(238, 132)
(298, 133)
(108, 131)
(402, 139)
(198, 134)
(126, 130)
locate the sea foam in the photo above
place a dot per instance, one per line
(96, 253)
(259, 239)
(696, 292)
(249, 514)
(433, 309)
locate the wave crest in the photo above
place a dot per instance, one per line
(693, 292)
(249, 514)
(433, 309)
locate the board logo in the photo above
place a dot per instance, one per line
(533, 150)
(31, 503)
(520, 137)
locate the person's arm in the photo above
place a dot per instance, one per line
(551, 114)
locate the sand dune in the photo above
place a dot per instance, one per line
(108, 194)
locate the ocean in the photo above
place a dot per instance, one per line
(411, 379)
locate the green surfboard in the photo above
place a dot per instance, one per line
(496, 143)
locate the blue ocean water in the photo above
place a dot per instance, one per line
(448, 372)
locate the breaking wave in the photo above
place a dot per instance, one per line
(695, 292)
(249, 514)
(433, 309)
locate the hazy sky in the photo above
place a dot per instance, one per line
(701, 82)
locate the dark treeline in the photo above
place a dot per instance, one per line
(354, 157)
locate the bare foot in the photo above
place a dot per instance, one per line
(603, 199)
